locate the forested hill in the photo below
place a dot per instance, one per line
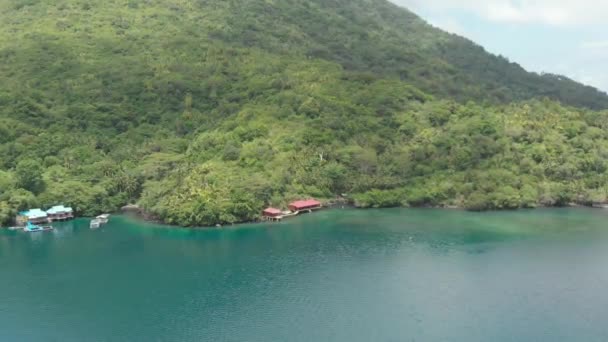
(379, 37)
(369, 36)
(205, 111)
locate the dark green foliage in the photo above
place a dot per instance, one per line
(28, 174)
(206, 111)
(378, 37)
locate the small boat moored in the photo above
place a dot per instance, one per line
(95, 224)
(99, 221)
(32, 228)
(103, 218)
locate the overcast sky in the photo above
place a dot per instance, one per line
(568, 37)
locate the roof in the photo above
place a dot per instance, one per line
(59, 209)
(305, 204)
(33, 214)
(273, 211)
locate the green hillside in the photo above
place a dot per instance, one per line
(206, 111)
(377, 36)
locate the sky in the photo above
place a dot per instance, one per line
(556, 36)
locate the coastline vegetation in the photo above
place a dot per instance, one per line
(207, 111)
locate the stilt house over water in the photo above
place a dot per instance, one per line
(310, 204)
(39, 216)
(35, 216)
(272, 212)
(295, 208)
(60, 213)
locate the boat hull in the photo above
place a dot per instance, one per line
(39, 230)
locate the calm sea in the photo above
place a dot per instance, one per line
(341, 275)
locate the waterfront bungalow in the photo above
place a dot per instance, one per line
(60, 213)
(310, 204)
(272, 213)
(35, 216)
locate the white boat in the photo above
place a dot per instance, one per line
(99, 221)
(95, 224)
(103, 218)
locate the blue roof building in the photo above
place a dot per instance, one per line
(38, 216)
(33, 216)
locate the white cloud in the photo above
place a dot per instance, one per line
(594, 79)
(561, 31)
(570, 32)
(589, 66)
(552, 12)
(595, 45)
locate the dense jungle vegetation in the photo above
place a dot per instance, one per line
(206, 111)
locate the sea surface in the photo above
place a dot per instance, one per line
(338, 275)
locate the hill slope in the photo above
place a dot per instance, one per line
(206, 111)
(377, 36)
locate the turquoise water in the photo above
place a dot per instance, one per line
(343, 275)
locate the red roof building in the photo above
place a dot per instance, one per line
(272, 212)
(305, 205)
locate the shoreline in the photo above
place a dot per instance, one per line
(148, 218)
(143, 216)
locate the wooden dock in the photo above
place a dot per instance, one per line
(284, 215)
(44, 229)
(288, 214)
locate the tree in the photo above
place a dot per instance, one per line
(337, 176)
(7, 213)
(29, 176)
